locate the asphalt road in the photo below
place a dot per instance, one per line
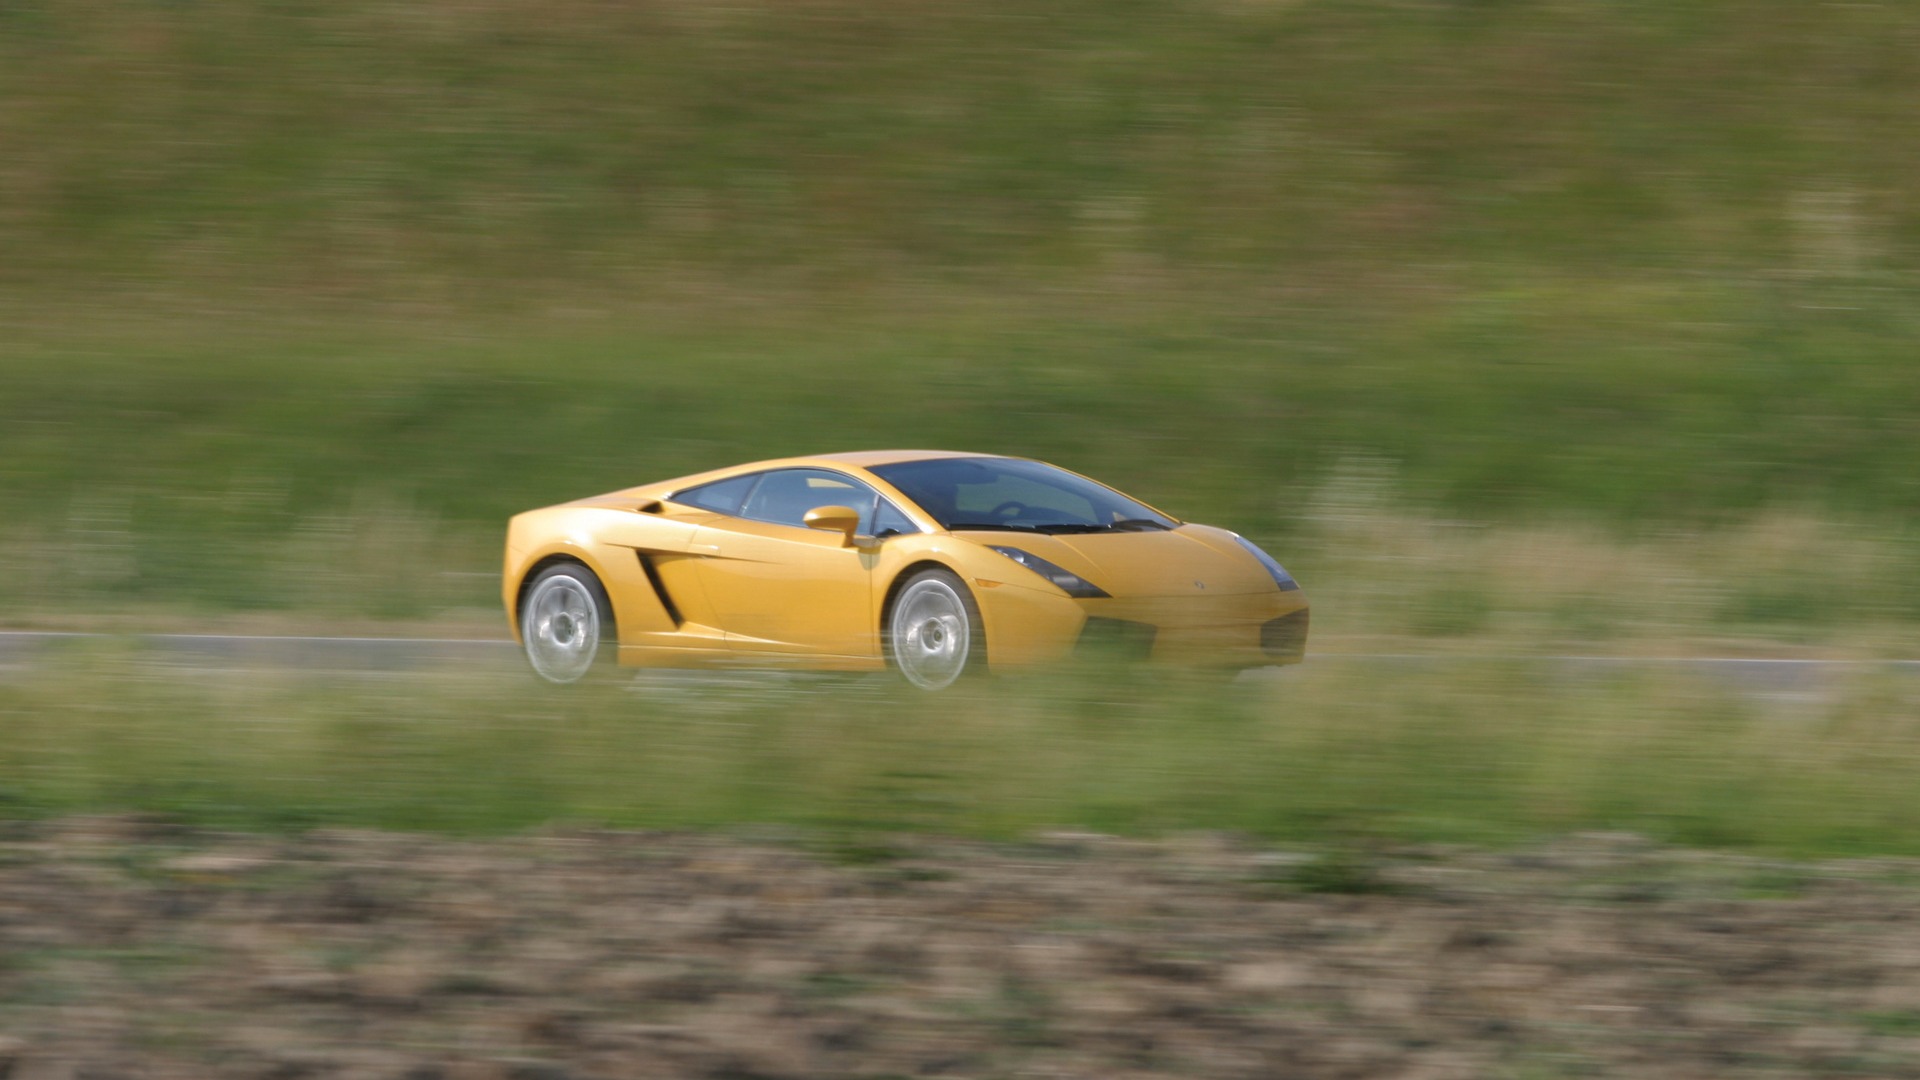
(22, 650)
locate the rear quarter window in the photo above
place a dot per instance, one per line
(724, 496)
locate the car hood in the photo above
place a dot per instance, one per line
(1192, 560)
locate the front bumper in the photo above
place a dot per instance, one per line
(1027, 626)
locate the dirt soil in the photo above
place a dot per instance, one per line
(130, 948)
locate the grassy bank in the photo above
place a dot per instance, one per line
(435, 153)
(301, 301)
(350, 479)
(1482, 753)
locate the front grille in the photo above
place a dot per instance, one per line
(1285, 637)
(1116, 638)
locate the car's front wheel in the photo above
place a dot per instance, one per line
(566, 622)
(933, 630)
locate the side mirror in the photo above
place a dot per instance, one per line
(841, 519)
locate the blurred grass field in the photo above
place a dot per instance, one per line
(1348, 757)
(1509, 327)
(442, 153)
(302, 302)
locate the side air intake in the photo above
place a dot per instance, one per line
(660, 589)
(1119, 639)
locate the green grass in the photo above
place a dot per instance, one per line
(1507, 326)
(1898, 1023)
(1479, 753)
(355, 148)
(302, 300)
(348, 477)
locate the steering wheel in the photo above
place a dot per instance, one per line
(1012, 508)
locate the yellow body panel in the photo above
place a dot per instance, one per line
(692, 587)
(786, 589)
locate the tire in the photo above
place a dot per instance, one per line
(934, 635)
(566, 623)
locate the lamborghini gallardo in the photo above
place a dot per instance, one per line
(932, 563)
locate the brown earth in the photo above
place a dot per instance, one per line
(130, 948)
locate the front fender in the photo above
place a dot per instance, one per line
(1023, 625)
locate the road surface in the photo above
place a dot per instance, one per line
(24, 650)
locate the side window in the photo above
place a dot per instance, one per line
(786, 495)
(721, 495)
(890, 521)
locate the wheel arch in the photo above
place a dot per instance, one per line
(560, 558)
(901, 578)
(907, 574)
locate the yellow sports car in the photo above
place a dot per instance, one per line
(930, 562)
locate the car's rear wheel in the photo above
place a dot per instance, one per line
(566, 623)
(934, 634)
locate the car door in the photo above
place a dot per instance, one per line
(777, 586)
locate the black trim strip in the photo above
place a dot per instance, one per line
(659, 589)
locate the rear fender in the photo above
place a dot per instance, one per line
(612, 549)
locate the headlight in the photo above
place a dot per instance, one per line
(1280, 575)
(1073, 583)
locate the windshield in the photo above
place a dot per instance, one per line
(1016, 496)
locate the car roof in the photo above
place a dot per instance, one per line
(858, 459)
(869, 458)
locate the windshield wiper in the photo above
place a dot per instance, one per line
(1062, 528)
(1123, 525)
